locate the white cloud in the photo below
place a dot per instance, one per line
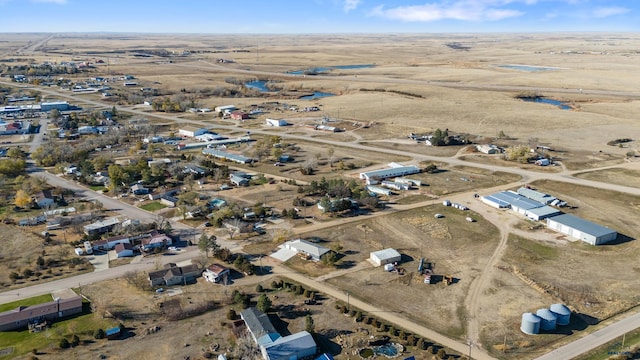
(465, 10)
(351, 5)
(603, 12)
(59, 2)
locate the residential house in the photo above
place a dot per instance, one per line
(239, 115)
(124, 250)
(215, 273)
(170, 201)
(272, 345)
(195, 170)
(308, 249)
(160, 195)
(238, 180)
(111, 242)
(172, 274)
(155, 240)
(139, 189)
(44, 199)
(23, 316)
(101, 226)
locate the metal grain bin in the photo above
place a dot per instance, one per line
(547, 319)
(563, 314)
(530, 324)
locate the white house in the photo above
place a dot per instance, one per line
(191, 131)
(309, 249)
(215, 272)
(276, 122)
(386, 256)
(124, 250)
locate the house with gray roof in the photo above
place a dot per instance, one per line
(272, 345)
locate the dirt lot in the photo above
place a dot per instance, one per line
(20, 249)
(455, 247)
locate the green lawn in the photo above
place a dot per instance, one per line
(26, 302)
(96, 187)
(83, 325)
(153, 206)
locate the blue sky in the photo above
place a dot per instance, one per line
(318, 16)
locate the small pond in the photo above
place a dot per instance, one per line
(259, 85)
(557, 103)
(389, 350)
(316, 95)
(530, 68)
(326, 69)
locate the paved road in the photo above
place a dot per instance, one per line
(594, 340)
(146, 264)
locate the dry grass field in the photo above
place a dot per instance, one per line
(20, 249)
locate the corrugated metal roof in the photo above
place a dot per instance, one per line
(517, 200)
(386, 254)
(257, 322)
(536, 195)
(582, 225)
(544, 211)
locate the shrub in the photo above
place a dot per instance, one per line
(259, 288)
(75, 340)
(441, 354)
(307, 293)
(64, 344)
(431, 350)
(358, 316)
(231, 314)
(274, 284)
(99, 334)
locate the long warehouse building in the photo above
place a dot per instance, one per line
(582, 229)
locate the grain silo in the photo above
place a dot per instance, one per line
(563, 314)
(547, 319)
(530, 324)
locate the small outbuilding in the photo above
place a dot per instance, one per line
(386, 256)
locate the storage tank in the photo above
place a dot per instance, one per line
(530, 324)
(547, 319)
(563, 314)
